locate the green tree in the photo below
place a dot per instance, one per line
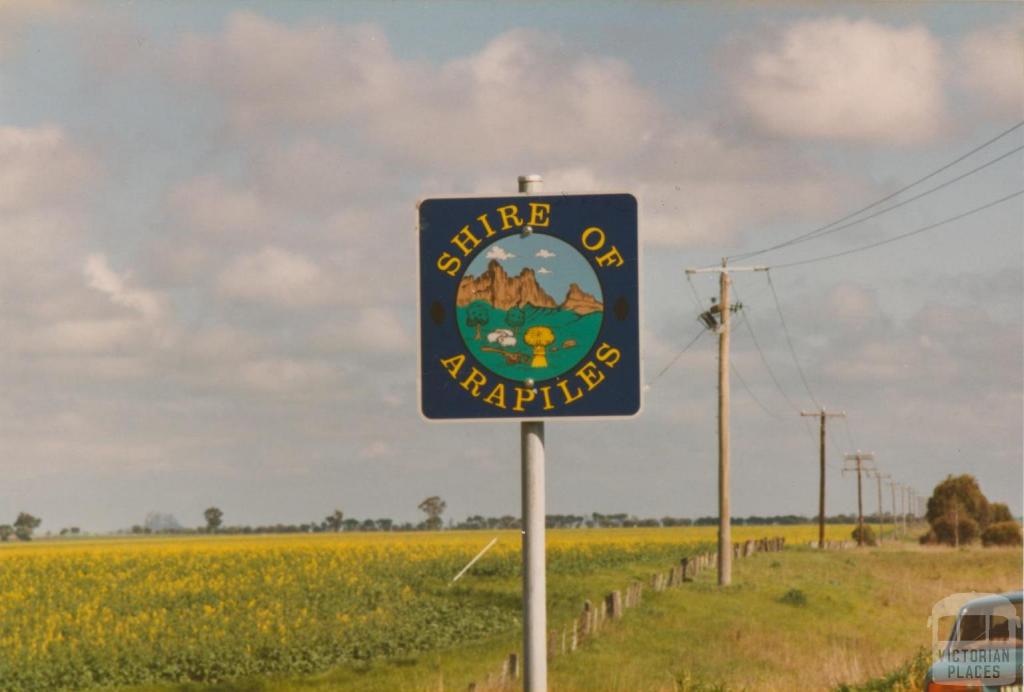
(6, 531)
(869, 535)
(515, 318)
(477, 315)
(335, 520)
(24, 525)
(433, 507)
(999, 512)
(957, 510)
(1002, 533)
(214, 518)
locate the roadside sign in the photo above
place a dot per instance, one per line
(529, 307)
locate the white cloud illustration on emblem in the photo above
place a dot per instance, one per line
(546, 254)
(498, 253)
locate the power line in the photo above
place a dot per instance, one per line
(676, 357)
(696, 296)
(764, 360)
(789, 341)
(820, 229)
(849, 435)
(751, 393)
(821, 233)
(901, 236)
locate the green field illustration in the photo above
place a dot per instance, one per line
(529, 342)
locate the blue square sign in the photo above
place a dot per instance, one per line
(529, 307)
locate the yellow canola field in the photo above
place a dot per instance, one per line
(86, 612)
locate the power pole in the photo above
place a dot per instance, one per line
(892, 489)
(859, 458)
(906, 508)
(724, 517)
(823, 415)
(879, 477)
(903, 508)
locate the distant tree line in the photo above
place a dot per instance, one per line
(22, 528)
(433, 507)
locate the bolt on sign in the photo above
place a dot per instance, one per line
(529, 307)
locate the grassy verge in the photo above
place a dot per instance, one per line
(803, 620)
(796, 620)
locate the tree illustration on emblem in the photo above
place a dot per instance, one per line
(477, 315)
(515, 318)
(540, 338)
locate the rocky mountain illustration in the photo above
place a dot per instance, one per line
(503, 291)
(579, 301)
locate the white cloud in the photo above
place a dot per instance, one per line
(377, 449)
(473, 109)
(371, 330)
(545, 253)
(277, 277)
(209, 204)
(307, 74)
(497, 252)
(17, 15)
(846, 80)
(543, 270)
(991, 65)
(81, 337)
(278, 375)
(379, 329)
(101, 277)
(37, 166)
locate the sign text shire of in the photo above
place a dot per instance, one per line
(529, 307)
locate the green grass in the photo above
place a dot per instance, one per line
(859, 621)
(864, 617)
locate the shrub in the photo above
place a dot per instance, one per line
(794, 597)
(999, 512)
(869, 535)
(946, 532)
(1003, 533)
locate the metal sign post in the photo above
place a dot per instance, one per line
(529, 311)
(535, 616)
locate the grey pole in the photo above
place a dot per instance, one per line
(535, 661)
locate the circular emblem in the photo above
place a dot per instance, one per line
(529, 307)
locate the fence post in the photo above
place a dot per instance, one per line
(614, 607)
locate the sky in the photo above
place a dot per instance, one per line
(207, 248)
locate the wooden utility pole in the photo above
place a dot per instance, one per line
(859, 458)
(879, 477)
(903, 508)
(724, 516)
(892, 488)
(905, 504)
(823, 415)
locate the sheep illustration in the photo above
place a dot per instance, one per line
(502, 337)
